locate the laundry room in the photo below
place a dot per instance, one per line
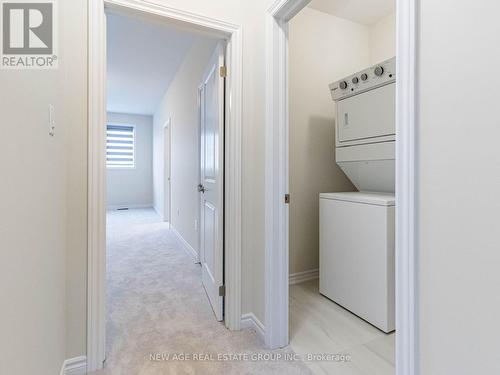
(341, 178)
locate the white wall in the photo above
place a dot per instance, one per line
(32, 227)
(383, 39)
(74, 93)
(133, 187)
(180, 104)
(459, 184)
(43, 204)
(315, 61)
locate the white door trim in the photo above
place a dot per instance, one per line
(407, 340)
(96, 160)
(198, 214)
(167, 216)
(276, 269)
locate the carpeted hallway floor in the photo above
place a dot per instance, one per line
(156, 304)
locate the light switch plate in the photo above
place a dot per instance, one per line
(52, 121)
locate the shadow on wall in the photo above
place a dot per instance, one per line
(321, 149)
(312, 171)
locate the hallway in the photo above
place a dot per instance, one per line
(156, 304)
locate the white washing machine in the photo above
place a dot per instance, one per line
(357, 228)
(356, 258)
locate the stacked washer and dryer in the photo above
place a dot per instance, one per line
(357, 267)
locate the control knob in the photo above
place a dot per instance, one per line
(355, 80)
(379, 71)
(364, 77)
(343, 85)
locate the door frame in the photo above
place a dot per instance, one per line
(277, 212)
(167, 127)
(96, 269)
(200, 90)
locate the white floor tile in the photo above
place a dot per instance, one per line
(318, 325)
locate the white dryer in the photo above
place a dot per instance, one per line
(365, 126)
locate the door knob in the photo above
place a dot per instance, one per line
(201, 188)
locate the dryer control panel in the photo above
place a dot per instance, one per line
(376, 76)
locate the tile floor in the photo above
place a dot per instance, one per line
(318, 325)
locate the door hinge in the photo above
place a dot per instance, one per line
(223, 71)
(287, 198)
(222, 291)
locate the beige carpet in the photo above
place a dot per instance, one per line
(157, 305)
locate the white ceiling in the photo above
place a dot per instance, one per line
(143, 59)
(366, 12)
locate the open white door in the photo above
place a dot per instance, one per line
(211, 187)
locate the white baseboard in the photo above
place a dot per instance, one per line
(75, 366)
(300, 277)
(249, 320)
(160, 214)
(187, 247)
(131, 206)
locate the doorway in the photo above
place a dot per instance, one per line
(277, 183)
(97, 187)
(341, 276)
(149, 254)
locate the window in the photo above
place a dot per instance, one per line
(120, 146)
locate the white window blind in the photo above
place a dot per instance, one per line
(120, 146)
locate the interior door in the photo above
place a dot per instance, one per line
(211, 187)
